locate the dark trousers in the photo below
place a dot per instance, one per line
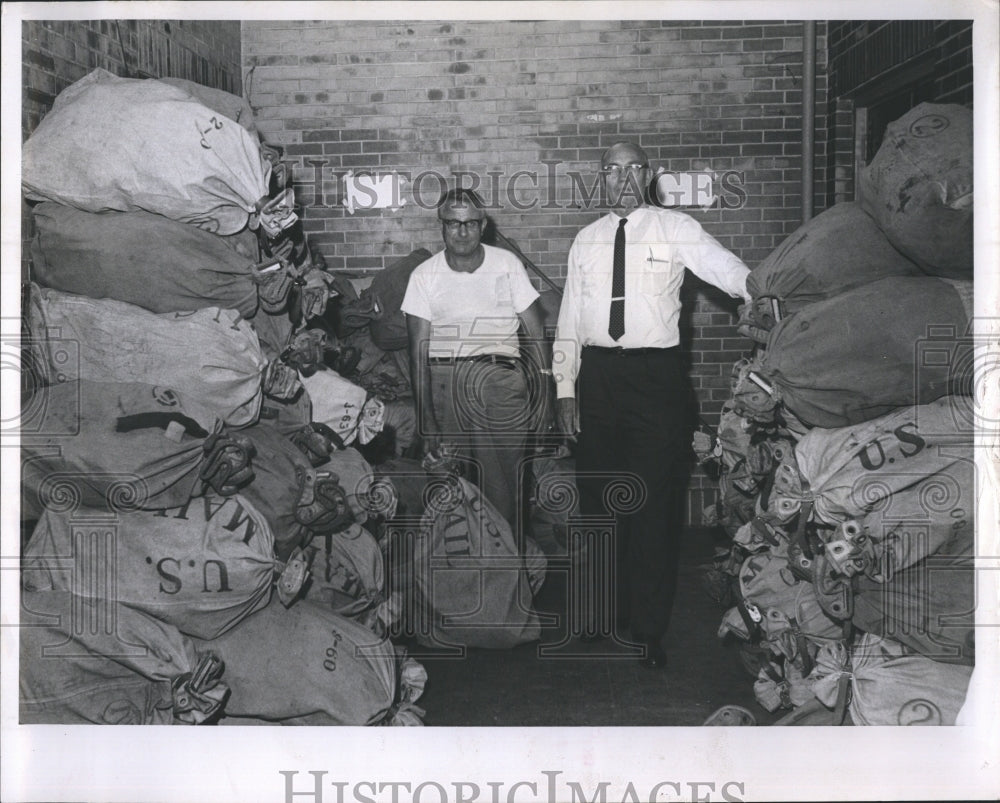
(634, 427)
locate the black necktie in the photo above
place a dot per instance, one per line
(616, 321)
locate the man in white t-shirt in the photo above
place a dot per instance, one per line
(474, 386)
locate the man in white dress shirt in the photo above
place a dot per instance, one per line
(621, 387)
(465, 307)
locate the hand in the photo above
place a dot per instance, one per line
(546, 409)
(703, 445)
(431, 439)
(442, 461)
(569, 418)
(756, 320)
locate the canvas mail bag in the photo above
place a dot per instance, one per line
(349, 575)
(129, 144)
(233, 106)
(337, 402)
(202, 567)
(919, 187)
(305, 665)
(929, 607)
(893, 686)
(858, 355)
(837, 250)
(298, 500)
(98, 662)
(148, 260)
(388, 324)
(908, 478)
(210, 355)
(112, 446)
(471, 581)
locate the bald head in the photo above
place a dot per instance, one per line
(624, 153)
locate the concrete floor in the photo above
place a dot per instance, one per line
(521, 687)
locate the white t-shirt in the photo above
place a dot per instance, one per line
(471, 313)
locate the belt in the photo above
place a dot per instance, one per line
(495, 359)
(618, 351)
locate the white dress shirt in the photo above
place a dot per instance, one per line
(659, 244)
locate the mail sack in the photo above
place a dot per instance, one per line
(781, 685)
(400, 423)
(337, 402)
(210, 355)
(554, 498)
(860, 354)
(470, 581)
(127, 144)
(388, 324)
(367, 495)
(906, 479)
(349, 575)
(201, 567)
(734, 437)
(112, 446)
(298, 500)
(232, 106)
(893, 686)
(274, 330)
(100, 662)
(280, 485)
(147, 260)
(930, 607)
(788, 604)
(410, 480)
(837, 250)
(306, 665)
(919, 187)
(287, 415)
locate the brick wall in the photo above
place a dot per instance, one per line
(57, 53)
(497, 98)
(54, 54)
(905, 61)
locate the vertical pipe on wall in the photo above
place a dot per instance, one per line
(808, 115)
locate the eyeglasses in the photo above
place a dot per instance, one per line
(453, 226)
(617, 170)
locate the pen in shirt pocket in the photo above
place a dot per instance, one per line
(651, 258)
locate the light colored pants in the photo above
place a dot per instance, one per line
(483, 410)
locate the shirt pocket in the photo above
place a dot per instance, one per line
(655, 276)
(504, 292)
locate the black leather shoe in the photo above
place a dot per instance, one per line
(655, 657)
